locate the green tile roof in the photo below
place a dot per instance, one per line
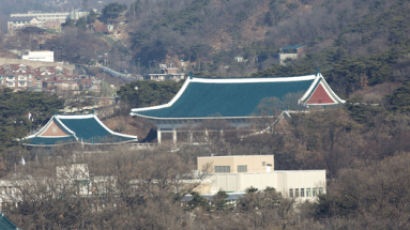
(6, 224)
(50, 141)
(231, 98)
(80, 128)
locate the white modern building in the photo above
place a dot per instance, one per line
(40, 19)
(236, 174)
(56, 16)
(43, 55)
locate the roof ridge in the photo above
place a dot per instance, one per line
(249, 77)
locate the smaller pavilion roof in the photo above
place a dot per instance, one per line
(6, 224)
(86, 129)
(231, 98)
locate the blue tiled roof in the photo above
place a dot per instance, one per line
(6, 224)
(292, 46)
(79, 128)
(205, 98)
(50, 141)
(89, 130)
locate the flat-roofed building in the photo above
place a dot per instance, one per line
(49, 20)
(236, 174)
(40, 55)
(236, 164)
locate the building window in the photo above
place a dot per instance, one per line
(222, 169)
(314, 192)
(302, 192)
(290, 192)
(320, 190)
(242, 168)
(296, 192)
(308, 192)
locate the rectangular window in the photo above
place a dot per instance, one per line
(242, 168)
(222, 169)
(296, 192)
(290, 192)
(320, 190)
(307, 192)
(314, 192)
(302, 192)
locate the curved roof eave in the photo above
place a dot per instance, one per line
(134, 111)
(57, 118)
(321, 80)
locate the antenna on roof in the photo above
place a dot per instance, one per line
(318, 71)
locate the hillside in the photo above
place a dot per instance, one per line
(209, 34)
(213, 32)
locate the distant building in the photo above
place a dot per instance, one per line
(239, 59)
(168, 72)
(236, 101)
(236, 174)
(292, 52)
(74, 178)
(43, 20)
(165, 76)
(16, 23)
(67, 129)
(43, 55)
(44, 78)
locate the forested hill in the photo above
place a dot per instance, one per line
(213, 32)
(209, 34)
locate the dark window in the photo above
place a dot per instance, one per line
(242, 168)
(222, 169)
(314, 192)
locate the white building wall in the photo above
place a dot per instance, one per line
(56, 16)
(285, 56)
(44, 56)
(298, 179)
(282, 181)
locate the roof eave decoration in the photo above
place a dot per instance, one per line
(320, 82)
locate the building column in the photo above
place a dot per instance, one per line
(206, 135)
(190, 136)
(221, 134)
(159, 136)
(174, 136)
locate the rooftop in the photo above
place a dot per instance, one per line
(210, 98)
(86, 129)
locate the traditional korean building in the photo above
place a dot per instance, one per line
(238, 101)
(84, 129)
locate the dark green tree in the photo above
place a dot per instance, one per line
(147, 93)
(112, 11)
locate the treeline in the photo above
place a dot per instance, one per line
(146, 189)
(20, 113)
(148, 93)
